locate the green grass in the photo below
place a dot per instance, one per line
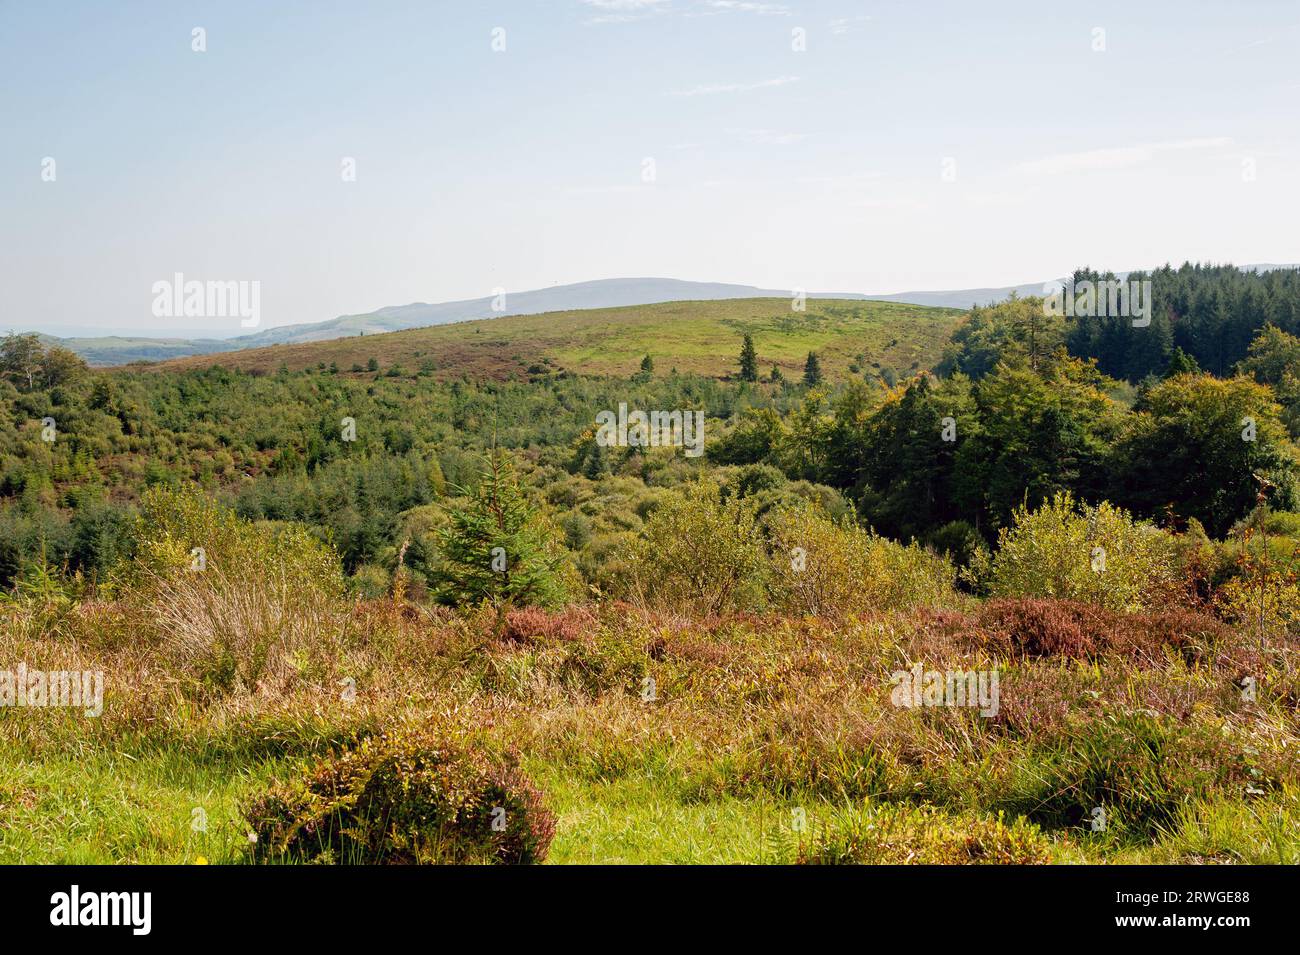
(645, 821)
(112, 807)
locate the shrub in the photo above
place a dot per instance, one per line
(698, 553)
(1262, 566)
(959, 541)
(1044, 628)
(1267, 602)
(530, 624)
(1094, 554)
(577, 530)
(370, 582)
(176, 528)
(753, 478)
(831, 501)
(923, 835)
(824, 568)
(404, 798)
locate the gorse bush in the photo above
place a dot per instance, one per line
(1080, 552)
(406, 797)
(179, 532)
(704, 551)
(698, 553)
(823, 568)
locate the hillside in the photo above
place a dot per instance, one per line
(160, 345)
(122, 349)
(702, 337)
(601, 293)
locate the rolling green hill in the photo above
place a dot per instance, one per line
(124, 349)
(701, 337)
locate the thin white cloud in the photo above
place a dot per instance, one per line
(714, 89)
(606, 189)
(852, 180)
(748, 6)
(625, 6)
(1121, 157)
(1242, 49)
(626, 11)
(768, 137)
(841, 25)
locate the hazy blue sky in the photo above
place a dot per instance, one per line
(820, 169)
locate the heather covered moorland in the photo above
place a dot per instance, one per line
(1025, 593)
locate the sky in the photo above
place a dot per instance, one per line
(832, 145)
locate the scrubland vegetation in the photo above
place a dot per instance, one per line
(309, 654)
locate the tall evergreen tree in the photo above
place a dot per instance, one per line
(597, 465)
(748, 360)
(496, 549)
(812, 370)
(906, 455)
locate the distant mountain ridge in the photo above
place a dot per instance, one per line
(600, 293)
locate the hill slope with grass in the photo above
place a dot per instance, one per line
(699, 337)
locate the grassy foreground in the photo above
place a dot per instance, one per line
(764, 741)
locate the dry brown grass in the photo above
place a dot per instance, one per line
(742, 705)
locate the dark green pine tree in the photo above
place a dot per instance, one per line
(647, 366)
(1181, 363)
(748, 361)
(812, 370)
(597, 465)
(495, 549)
